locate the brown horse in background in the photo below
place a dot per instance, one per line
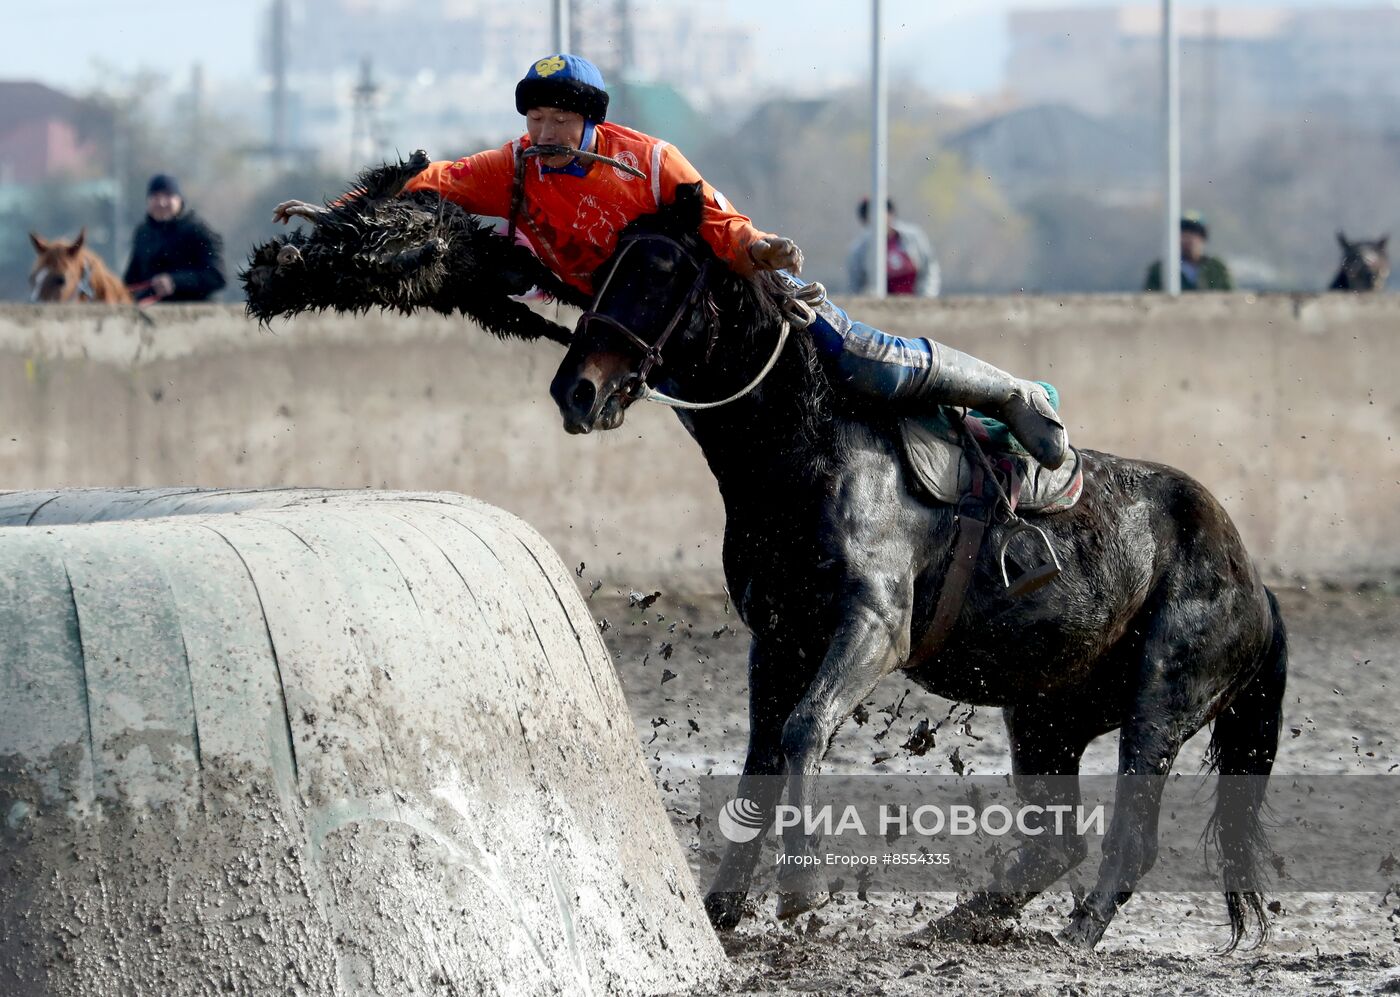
(66, 272)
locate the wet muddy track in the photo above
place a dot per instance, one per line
(683, 665)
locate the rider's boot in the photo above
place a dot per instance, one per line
(886, 366)
(956, 378)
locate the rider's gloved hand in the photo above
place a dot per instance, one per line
(776, 253)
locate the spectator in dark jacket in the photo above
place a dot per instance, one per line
(175, 256)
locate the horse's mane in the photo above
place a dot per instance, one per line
(752, 306)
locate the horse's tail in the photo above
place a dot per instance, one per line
(1242, 748)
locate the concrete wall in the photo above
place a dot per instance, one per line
(335, 743)
(1286, 407)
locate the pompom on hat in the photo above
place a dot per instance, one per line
(568, 82)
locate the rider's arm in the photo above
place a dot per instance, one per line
(481, 184)
(729, 233)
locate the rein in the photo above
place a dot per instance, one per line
(637, 388)
(650, 394)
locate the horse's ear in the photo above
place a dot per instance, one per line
(77, 246)
(40, 246)
(690, 199)
(1342, 238)
(1380, 243)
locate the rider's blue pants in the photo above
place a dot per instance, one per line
(866, 359)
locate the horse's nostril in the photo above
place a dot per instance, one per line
(583, 395)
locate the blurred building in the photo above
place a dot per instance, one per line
(445, 70)
(1238, 65)
(45, 134)
(1055, 148)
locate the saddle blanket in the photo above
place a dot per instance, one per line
(933, 452)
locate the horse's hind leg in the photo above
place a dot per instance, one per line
(1183, 670)
(1046, 745)
(1242, 748)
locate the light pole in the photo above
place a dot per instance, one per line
(879, 159)
(1171, 128)
(560, 26)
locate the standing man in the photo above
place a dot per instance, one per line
(910, 264)
(1199, 272)
(175, 255)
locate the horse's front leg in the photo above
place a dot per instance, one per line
(773, 692)
(872, 641)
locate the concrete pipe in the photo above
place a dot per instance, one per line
(318, 743)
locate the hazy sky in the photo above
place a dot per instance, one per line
(956, 45)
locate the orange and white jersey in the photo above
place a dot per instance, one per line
(573, 222)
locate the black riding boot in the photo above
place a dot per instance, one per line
(957, 378)
(950, 377)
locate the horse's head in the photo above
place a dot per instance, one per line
(655, 317)
(57, 274)
(1365, 264)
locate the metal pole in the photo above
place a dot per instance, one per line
(279, 40)
(561, 26)
(879, 155)
(1171, 113)
(120, 167)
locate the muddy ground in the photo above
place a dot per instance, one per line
(683, 665)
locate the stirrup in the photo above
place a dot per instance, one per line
(1038, 575)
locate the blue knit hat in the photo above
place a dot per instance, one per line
(568, 82)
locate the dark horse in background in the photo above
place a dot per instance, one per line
(1365, 265)
(1158, 624)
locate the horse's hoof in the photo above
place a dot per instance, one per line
(792, 904)
(1082, 932)
(725, 910)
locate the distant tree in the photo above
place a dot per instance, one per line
(982, 241)
(1079, 243)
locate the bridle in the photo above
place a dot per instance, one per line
(84, 286)
(636, 387)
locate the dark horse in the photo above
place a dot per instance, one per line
(1158, 624)
(1365, 265)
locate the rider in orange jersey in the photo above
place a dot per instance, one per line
(572, 208)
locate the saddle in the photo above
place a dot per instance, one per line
(962, 460)
(936, 453)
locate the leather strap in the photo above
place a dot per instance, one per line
(973, 514)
